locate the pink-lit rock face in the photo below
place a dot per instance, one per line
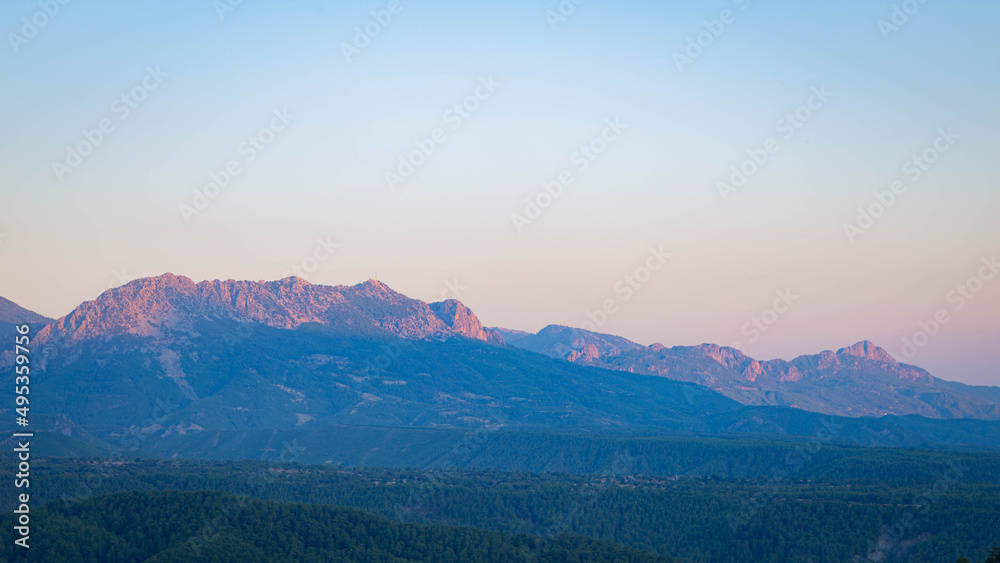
(753, 371)
(868, 350)
(589, 353)
(463, 321)
(150, 307)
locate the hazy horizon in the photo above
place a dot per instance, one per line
(451, 287)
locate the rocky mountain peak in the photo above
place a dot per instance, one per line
(150, 307)
(462, 320)
(725, 355)
(868, 350)
(139, 307)
(372, 285)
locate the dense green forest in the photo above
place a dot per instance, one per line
(730, 457)
(994, 557)
(171, 526)
(951, 514)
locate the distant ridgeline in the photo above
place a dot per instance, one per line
(228, 369)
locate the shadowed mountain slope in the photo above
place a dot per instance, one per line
(176, 367)
(12, 315)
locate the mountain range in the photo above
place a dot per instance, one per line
(227, 354)
(858, 380)
(234, 368)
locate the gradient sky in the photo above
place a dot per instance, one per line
(116, 216)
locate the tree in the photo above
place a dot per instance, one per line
(993, 557)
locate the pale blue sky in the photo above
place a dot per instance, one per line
(116, 216)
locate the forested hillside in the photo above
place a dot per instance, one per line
(160, 527)
(950, 513)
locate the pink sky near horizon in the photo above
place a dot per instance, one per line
(709, 290)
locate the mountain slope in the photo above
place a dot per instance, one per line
(12, 315)
(578, 346)
(278, 378)
(858, 380)
(164, 357)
